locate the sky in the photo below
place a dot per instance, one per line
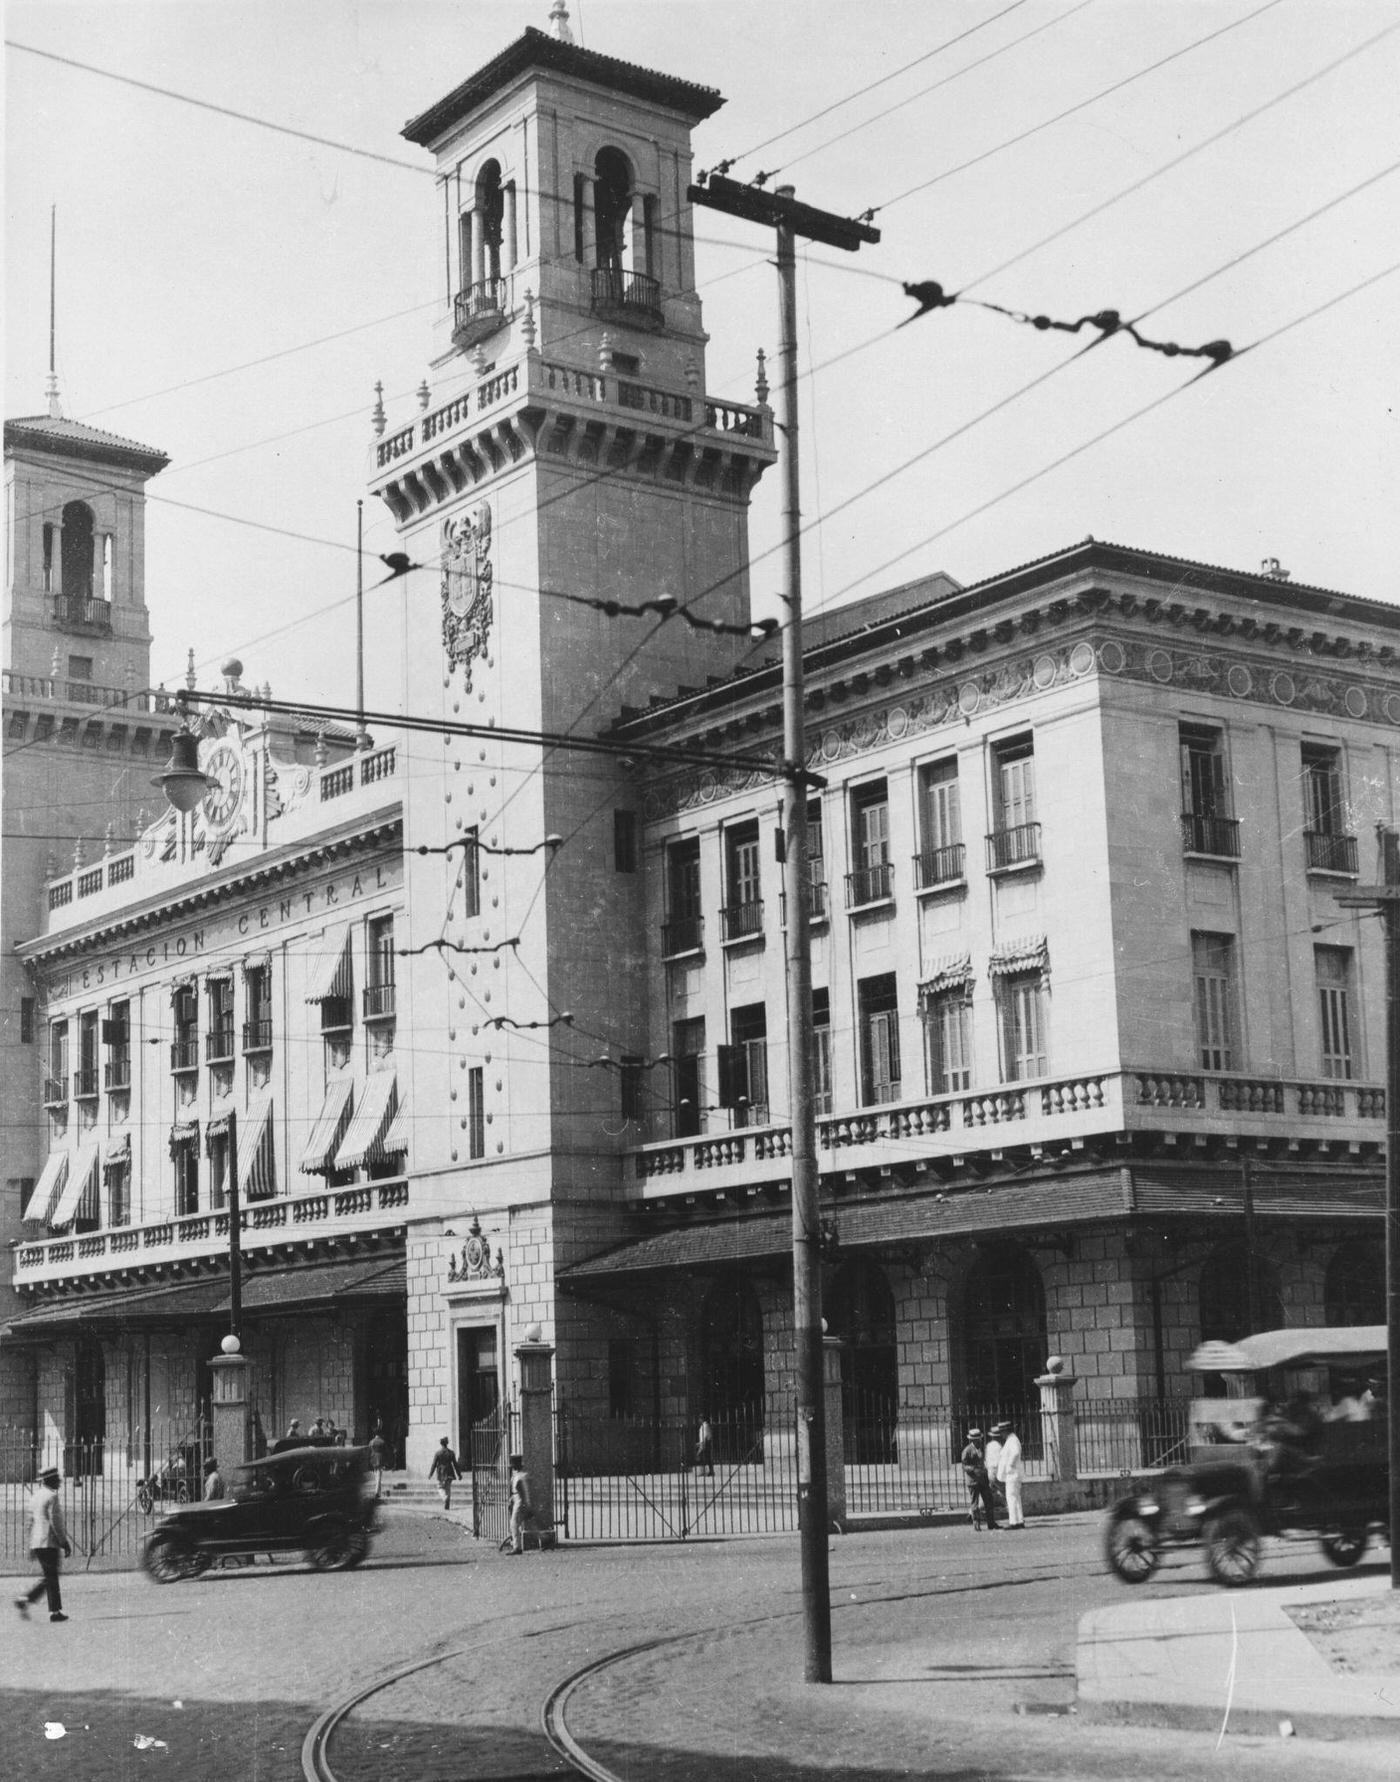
(231, 294)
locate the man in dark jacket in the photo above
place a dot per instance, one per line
(973, 1461)
(444, 1469)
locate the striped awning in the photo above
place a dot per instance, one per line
(331, 976)
(396, 1138)
(1030, 954)
(329, 1131)
(257, 1178)
(256, 962)
(219, 974)
(220, 1120)
(183, 1132)
(80, 1180)
(117, 1150)
(364, 1142)
(952, 973)
(47, 1189)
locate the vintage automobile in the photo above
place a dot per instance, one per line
(315, 1500)
(1296, 1445)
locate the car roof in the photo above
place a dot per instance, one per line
(1278, 1348)
(298, 1456)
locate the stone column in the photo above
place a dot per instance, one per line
(508, 247)
(832, 1348)
(1057, 1420)
(537, 1422)
(229, 1408)
(588, 228)
(464, 249)
(478, 245)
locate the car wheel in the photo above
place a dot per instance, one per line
(1232, 1547)
(1345, 1546)
(359, 1547)
(332, 1548)
(145, 1498)
(1131, 1546)
(169, 1557)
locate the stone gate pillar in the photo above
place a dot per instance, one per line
(228, 1409)
(1057, 1420)
(537, 1421)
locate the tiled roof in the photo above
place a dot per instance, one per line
(55, 433)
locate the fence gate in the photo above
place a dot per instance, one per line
(491, 1441)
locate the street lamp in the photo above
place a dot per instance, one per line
(183, 781)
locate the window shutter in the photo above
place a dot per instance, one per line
(733, 1077)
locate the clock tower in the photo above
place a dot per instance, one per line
(575, 501)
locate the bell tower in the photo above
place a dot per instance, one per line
(568, 463)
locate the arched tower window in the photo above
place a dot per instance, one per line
(860, 1310)
(731, 1354)
(1004, 1334)
(491, 209)
(1354, 1290)
(77, 551)
(612, 210)
(1225, 1311)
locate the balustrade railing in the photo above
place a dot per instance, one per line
(1218, 837)
(1331, 853)
(614, 288)
(742, 921)
(939, 866)
(1018, 845)
(870, 884)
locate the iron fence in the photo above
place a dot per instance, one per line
(902, 1459)
(112, 1492)
(1130, 1435)
(492, 1440)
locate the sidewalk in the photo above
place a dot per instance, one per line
(1232, 1657)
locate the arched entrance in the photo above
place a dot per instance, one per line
(860, 1310)
(1004, 1335)
(87, 1411)
(1225, 1295)
(731, 1360)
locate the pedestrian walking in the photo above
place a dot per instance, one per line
(993, 1457)
(1009, 1473)
(213, 1481)
(48, 1536)
(704, 1447)
(445, 1470)
(973, 1461)
(377, 1446)
(522, 1508)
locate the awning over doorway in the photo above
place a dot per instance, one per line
(80, 1178)
(364, 1140)
(117, 1149)
(332, 974)
(47, 1189)
(257, 1178)
(331, 1123)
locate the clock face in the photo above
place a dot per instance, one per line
(221, 803)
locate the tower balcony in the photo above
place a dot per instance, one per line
(478, 311)
(76, 612)
(626, 296)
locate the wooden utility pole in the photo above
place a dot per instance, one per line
(780, 211)
(1385, 898)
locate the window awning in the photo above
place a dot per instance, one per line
(256, 1169)
(183, 1132)
(179, 985)
(47, 1189)
(220, 974)
(117, 1150)
(332, 973)
(331, 1123)
(220, 1119)
(396, 1138)
(80, 1178)
(952, 973)
(1030, 954)
(256, 962)
(364, 1142)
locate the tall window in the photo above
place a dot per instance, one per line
(1213, 968)
(743, 910)
(1015, 838)
(687, 1100)
(612, 211)
(185, 1154)
(85, 1078)
(683, 921)
(257, 994)
(816, 860)
(821, 1049)
(471, 875)
(184, 1050)
(873, 877)
(476, 1112)
(1330, 846)
(940, 823)
(746, 1066)
(219, 1041)
(1334, 1009)
(1206, 823)
(379, 991)
(948, 1035)
(878, 1004)
(220, 1168)
(118, 1192)
(1024, 1044)
(56, 1085)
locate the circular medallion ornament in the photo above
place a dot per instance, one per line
(478, 1255)
(1355, 702)
(831, 745)
(1043, 674)
(969, 698)
(896, 721)
(1283, 688)
(1113, 658)
(1159, 666)
(1240, 681)
(222, 802)
(1081, 659)
(1392, 707)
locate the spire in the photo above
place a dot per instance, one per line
(559, 18)
(55, 407)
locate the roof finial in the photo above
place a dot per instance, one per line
(55, 407)
(559, 18)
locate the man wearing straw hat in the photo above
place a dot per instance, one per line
(979, 1490)
(47, 1534)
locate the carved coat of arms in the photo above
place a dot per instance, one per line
(466, 587)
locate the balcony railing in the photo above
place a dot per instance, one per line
(478, 311)
(378, 1001)
(632, 293)
(184, 1054)
(257, 1036)
(1331, 853)
(218, 1045)
(682, 934)
(939, 866)
(870, 884)
(1018, 845)
(1217, 836)
(817, 903)
(85, 1083)
(117, 1074)
(55, 1092)
(742, 921)
(76, 612)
